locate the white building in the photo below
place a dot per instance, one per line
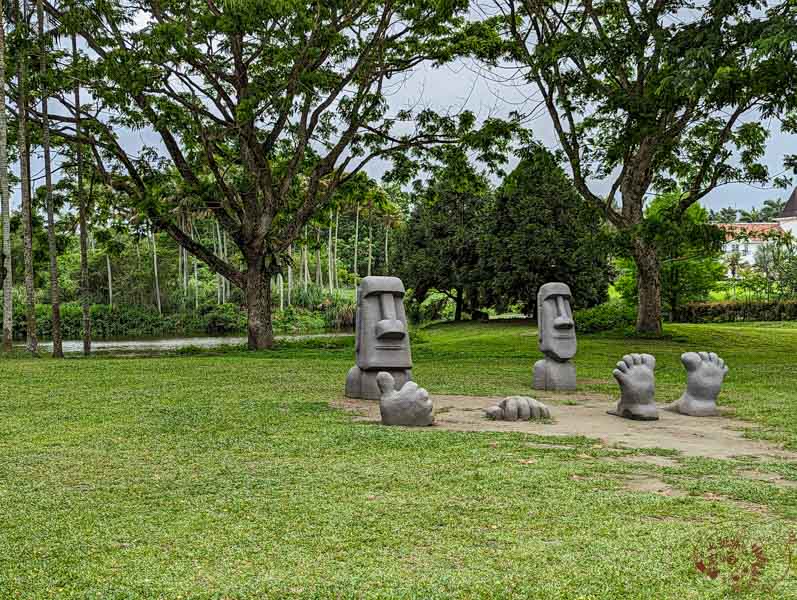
(746, 238)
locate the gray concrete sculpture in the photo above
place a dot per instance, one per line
(637, 388)
(382, 340)
(557, 339)
(409, 405)
(705, 372)
(517, 408)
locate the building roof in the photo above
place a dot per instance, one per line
(750, 231)
(790, 210)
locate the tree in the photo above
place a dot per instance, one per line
(22, 21)
(771, 209)
(541, 230)
(650, 96)
(724, 215)
(5, 271)
(690, 250)
(246, 96)
(55, 302)
(437, 250)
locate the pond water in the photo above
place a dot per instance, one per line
(166, 344)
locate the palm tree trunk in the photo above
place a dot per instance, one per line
(110, 279)
(8, 303)
(55, 292)
(330, 256)
(356, 237)
(370, 242)
(319, 278)
(335, 248)
(387, 248)
(24, 168)
(82, 217)
(290, 273)
(155, 268)
(281, 285)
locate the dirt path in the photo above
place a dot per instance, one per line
(585, 415)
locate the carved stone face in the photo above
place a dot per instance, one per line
(382, 338)
(555, 321)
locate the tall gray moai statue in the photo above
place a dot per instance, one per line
(557, 339)
(382, 339)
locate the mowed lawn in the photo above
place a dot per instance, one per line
(229, 476)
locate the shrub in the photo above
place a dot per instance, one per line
(608, 316)
(728, 312)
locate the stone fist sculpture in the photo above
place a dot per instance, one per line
(637, 388)
(518, 408)
(705, 372)
(409, 405)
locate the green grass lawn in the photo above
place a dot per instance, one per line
(229, 476)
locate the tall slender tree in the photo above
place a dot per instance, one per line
(55, 292)
(8, 305)
(22, 23)
(85, 302)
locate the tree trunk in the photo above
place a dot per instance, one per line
(290, 273)
(370, 243)
(110, 280)
(258, 307)
(55, 292)
(157, 279)
(27, 209)
(8, 304)
(356, 237)
(387, 254)
(319, 278)
(649, 286)
(281, 285)
(335, 249)
(82, 217)
(458, 306)
(330, 256)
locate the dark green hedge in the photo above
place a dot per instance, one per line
(608, 316)
(727, 312)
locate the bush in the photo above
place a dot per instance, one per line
(608, 316)
(728, 312)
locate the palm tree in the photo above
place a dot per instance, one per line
(24, 170)
(8, 305)
(772, 209)
(55, 293)
(751, 216)
(82, 210)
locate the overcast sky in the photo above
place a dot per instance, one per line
(461, 86)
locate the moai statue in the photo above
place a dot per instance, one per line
(409, 405)
(637, 388)
(382, 340)
(557, 339)
(704, 374)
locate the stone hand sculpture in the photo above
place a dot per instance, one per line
(704, 374)
(518, 408)
(557, 339)
(382, 341)
(409, 405)
(637, 388)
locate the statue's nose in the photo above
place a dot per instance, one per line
(563, 323)
(390, 329)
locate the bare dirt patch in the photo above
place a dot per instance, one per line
(584, 414)
(643, 483)
(772, 478)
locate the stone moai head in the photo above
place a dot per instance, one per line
(555, 321)
(382, 337)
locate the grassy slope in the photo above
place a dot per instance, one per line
(229, 476)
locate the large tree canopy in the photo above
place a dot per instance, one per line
(261, 109)
(650, 95)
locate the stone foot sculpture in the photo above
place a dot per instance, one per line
(552, 374)
(637, 388)
(409, 405)
(518, 408)
(704, 374)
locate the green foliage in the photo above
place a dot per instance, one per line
(733, 311)
(609, 316)
(689, 248)
(541, 230)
